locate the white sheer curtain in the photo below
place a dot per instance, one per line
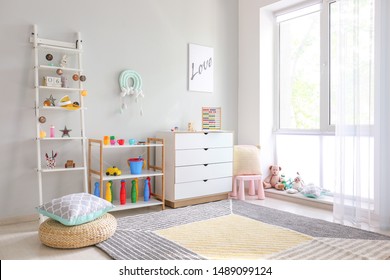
(362, 195)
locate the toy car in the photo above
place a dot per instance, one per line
(113, 171)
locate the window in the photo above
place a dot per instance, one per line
(299, 72)
(304, 141)
(307, 78)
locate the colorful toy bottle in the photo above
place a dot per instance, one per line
(112, 194)
(52, 131)
(146, 190)
(133, 192)
(108, 191)
(150, 187)
(136, 188)
(123, 192)
(97, 189)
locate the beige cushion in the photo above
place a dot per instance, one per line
(246, 160)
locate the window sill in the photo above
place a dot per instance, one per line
(324, 202)
(303, 132)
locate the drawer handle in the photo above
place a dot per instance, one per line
(205, 133)
(205, 164)
(205, 149)
(205, 180)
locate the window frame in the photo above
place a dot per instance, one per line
(326, 128)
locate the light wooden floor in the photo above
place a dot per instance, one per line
(21, 242)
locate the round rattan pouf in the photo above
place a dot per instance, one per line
(56, 235)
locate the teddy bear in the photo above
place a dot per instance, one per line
(274, 179)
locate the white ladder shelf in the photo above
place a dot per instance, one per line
(66, 48)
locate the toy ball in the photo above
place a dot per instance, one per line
(83, 78)
(84, 92)
(75, 77)
(42, 119)
(49, 57)
(59, 72)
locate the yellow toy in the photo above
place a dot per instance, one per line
(113, 171)
(108, 191)
(136, 188)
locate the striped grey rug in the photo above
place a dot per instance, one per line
(136, 237)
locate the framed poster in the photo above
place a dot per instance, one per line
(200, 68)
(211, 118)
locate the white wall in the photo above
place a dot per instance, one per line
(149, 36)
(256, 67)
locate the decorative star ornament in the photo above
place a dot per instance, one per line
(51, 99)
(65, 132)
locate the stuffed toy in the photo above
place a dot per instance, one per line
(298, 183)
(312, 191)
(274, 179)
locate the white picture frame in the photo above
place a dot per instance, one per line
(200, 68)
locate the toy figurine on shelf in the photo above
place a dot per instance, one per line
(64, 61)
(112, 140)
(149, 186)
(123, 192)
(51, 161)
(108, 191)
(97, 189)
(64, 82)
(70, 164)
(133, 192)
(113, 171)
(136, 187)
(146, 190)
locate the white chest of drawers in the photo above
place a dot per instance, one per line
(198, 166)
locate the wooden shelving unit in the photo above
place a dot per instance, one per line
(152, 171)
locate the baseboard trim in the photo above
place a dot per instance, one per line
(19, 219)
(300, 199)
(197, 200)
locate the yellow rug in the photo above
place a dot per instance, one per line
(233, 237)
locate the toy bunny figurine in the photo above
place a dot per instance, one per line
(51, 161)
(64, 60)
(298, 183)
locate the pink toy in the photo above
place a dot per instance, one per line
(150, 187)
(52, 131)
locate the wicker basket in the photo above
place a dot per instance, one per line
(56, 235)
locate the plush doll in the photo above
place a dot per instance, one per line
(298, 183)
(274, 179)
